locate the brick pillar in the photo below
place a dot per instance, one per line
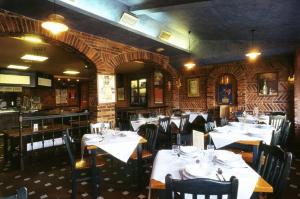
(297, 95)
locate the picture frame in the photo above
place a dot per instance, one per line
(193, 87)
(120, 94)
(225, 94)
(106, 89)
(267, 84)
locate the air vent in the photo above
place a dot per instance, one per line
(164, 35)
(128, 20)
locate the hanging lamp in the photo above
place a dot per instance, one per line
(55, 23)
(254, 52)
(190, 63)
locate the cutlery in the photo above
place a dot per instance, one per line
(218, 177)
(220, 172)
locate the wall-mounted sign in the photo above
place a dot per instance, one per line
(44, 82)
(106, 89)
(17, 78)
(10, 89)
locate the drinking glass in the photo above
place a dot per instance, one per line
(116, 131)
(175, 149)
(210, 152)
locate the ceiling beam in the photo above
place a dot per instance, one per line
(161, 4)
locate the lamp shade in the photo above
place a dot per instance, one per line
(55, 24)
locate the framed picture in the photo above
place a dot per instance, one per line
(158, 78)
(158, 95)
(225, 94)
(267, 84)
(193, 87)
(120, 94)
(106, 89)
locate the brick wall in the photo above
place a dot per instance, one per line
(103, 53)
(246, 75)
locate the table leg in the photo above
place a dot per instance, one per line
(94, 175)
(139, 165)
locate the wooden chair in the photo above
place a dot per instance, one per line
(150, 133)
(165, 139)
(277, 121)
(201, 186)
(186, 136)
(285, 134)
(21, 194)
(276, 134)
(273, 164)
(81, 164)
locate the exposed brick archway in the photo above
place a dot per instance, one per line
(105, 55)
(239, 75)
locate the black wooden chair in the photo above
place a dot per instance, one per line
(86, 163)
(273, 164)
(277, 121)
(185, 134)
(276, 135)
(201, 186)
(285, 132)
(164, 139)
(21, 194)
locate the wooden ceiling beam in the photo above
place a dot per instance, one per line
(161, 4)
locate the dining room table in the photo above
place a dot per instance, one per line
(119, 144)
(190, 162)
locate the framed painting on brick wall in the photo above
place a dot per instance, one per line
(267, 84)
(106, 89)
(193, 87)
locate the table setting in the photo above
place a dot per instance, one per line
(119, 144)
(238, 131)
(188, 162)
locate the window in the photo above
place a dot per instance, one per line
(138, 92)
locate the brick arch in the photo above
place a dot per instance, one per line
(13, 24)
(144, 56)
(239, 75)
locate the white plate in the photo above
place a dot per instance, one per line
(197, 170)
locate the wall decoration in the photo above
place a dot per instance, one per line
(158, 88)
(106, 89)
(193, 87)
(225, 94)
(120, 94)
(267, 84)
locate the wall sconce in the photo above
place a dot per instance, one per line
(291, 79)
(178, 83)
(224, 80)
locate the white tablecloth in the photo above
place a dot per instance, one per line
(236, 131)
(120, 146)
(194, 115)
(168, 163)
(136, 124)
(252, 119)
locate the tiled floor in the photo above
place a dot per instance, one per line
(50, 178)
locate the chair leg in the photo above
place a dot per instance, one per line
(74, 184)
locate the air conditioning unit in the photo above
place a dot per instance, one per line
(128, 19)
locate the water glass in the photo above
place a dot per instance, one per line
(210, 152)
(175, 149)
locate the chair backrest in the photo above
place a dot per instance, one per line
(96, 127)
(164, 125)
(21, 194)
(67, 140)
(210, 126)
(277, 121)
(201, 186)
(274, 164)
(276, 134)
(285, 134)
(184, 121)
(150, 133)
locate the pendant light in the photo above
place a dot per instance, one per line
(190, 63)
(253, 53)
(55, 23)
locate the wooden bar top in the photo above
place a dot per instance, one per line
(261, 185)
(28, 131)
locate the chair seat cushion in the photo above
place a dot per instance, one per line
(86, 163)
(145, 154)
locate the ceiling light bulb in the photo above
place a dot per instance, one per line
(55, 24)
(190, 65)
(253, 55)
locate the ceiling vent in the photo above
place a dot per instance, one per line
(164, 35)
(128, 20)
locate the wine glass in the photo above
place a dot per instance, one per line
(175, 149)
